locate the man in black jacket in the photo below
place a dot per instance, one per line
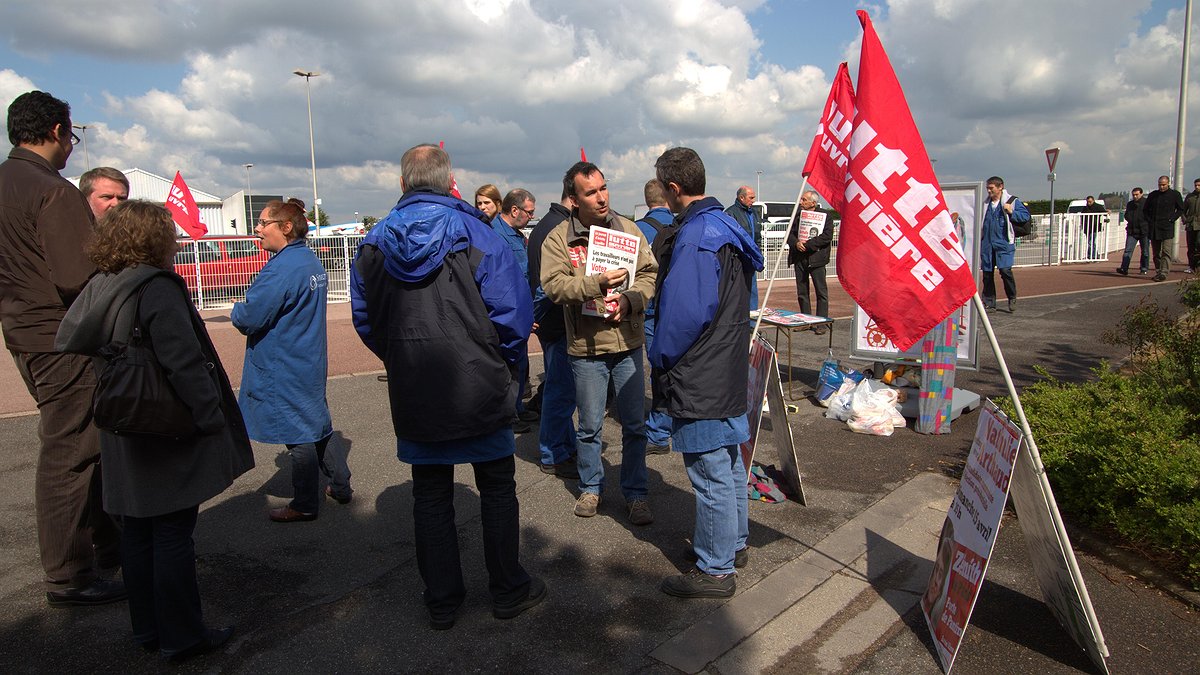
(1135, 232)
(1163, 207)
(808, 254)
(44, 224)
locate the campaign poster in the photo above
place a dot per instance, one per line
(811, 225)
(609, 250)
(969, 532)
(761, 359)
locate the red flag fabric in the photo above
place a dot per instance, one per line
(899, 255)
(453, 182)
(182, 206)
(830, 151)
(582, 154)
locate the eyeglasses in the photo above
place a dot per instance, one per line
(264, 223)
(528, 212)
(74, 139)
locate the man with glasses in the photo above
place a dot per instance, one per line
(44, 224)
(516, 210)
(1136, 233)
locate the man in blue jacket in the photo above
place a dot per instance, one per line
(283, 381)
(997, 247)
(658, 424)
(439, 297)
(701, 366)
(516, 210)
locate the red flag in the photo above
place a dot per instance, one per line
(582, 154)
(182, 206)
(830, 151)
(899, 255)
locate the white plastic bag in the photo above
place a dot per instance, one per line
(873, 408)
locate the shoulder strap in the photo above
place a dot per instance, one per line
(1011, 199)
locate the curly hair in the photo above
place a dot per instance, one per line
(134, 232)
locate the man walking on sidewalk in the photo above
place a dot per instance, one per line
(700, 366)
(1163, 207)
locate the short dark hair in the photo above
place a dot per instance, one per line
(997, 181)
(516, 197)
(683, 167)
(584, 169)
(1138, 189)
(89, 177)
(33, 115)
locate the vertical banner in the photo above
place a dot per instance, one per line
(183, 209)
(969, 532)
(761, 359)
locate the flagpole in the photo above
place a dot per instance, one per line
(1043, 480)
(779, 259)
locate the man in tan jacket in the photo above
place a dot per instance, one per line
(602, 350)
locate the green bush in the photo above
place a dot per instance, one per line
(1123, 451)
(1120, 456)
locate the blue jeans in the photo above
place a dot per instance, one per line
(722, 511)
(592, 375)
(658, 422)
(307, 460)
(556, 435)
(1130, 242)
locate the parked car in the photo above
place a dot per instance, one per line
(224, 263)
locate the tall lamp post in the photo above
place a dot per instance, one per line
(249, 202)
(87, 162)
(312, 148)
(758, 184)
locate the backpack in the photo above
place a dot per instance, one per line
(1020, 229)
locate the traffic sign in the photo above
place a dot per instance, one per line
(1052, 158)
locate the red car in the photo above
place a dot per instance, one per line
(227, 265)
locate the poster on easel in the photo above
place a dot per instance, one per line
(969, 532)
(765, 385)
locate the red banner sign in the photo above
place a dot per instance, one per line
(182, 206)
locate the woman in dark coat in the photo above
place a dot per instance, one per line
(156, 485)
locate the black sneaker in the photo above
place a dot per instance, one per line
(1012, 305)
(99, 592)
(212, 640)
(697, 584)
(1124, 272)
(537, 593)
(568, 468)
(656, 449)
(741, 557)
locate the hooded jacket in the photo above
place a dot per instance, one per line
(145, 476)
(286, 363)
(439, 297)
(699, 353)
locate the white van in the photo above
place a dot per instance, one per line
(1078, 205)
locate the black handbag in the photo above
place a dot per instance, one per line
(133, 396)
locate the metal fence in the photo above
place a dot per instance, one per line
(218, 270)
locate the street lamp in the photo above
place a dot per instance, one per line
(86, 160)
(312, 148)
(249, 202)
(758, 184)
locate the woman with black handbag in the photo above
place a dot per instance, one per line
(154, 356)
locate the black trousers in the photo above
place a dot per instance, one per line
(437, 536)
(75, 537)
(1192, 237)
(989, 285)
(160, 574)
(820, 286)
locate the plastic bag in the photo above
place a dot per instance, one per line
(830, 380)
(873, 409)
(839, 403)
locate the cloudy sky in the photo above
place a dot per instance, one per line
(515, 87)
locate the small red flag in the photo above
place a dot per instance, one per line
(830, 152)
(899, 255)
(582, 154)
(453, 183)
(182, 206)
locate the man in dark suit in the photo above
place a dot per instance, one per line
(1163, 207)
(809, 256)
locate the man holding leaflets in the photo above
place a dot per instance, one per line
(809, 255)
(700, 368)
(599, 266)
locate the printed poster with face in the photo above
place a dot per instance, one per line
(609, 250)
(969, 532)
(811, 225)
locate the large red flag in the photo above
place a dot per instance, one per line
(899, 255)
(830, 151)
(182, 206)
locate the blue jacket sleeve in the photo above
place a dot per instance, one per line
(686, 304)
(505, 293)
(264, 299)
(1020, 212)
(358, 297)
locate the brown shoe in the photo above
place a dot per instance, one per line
(286, 514)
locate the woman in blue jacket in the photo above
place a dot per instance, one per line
(283, 380)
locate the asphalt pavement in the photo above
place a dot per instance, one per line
(830, 587)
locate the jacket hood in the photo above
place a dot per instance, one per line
(91, 322)
(723, 230)
(421, 229)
